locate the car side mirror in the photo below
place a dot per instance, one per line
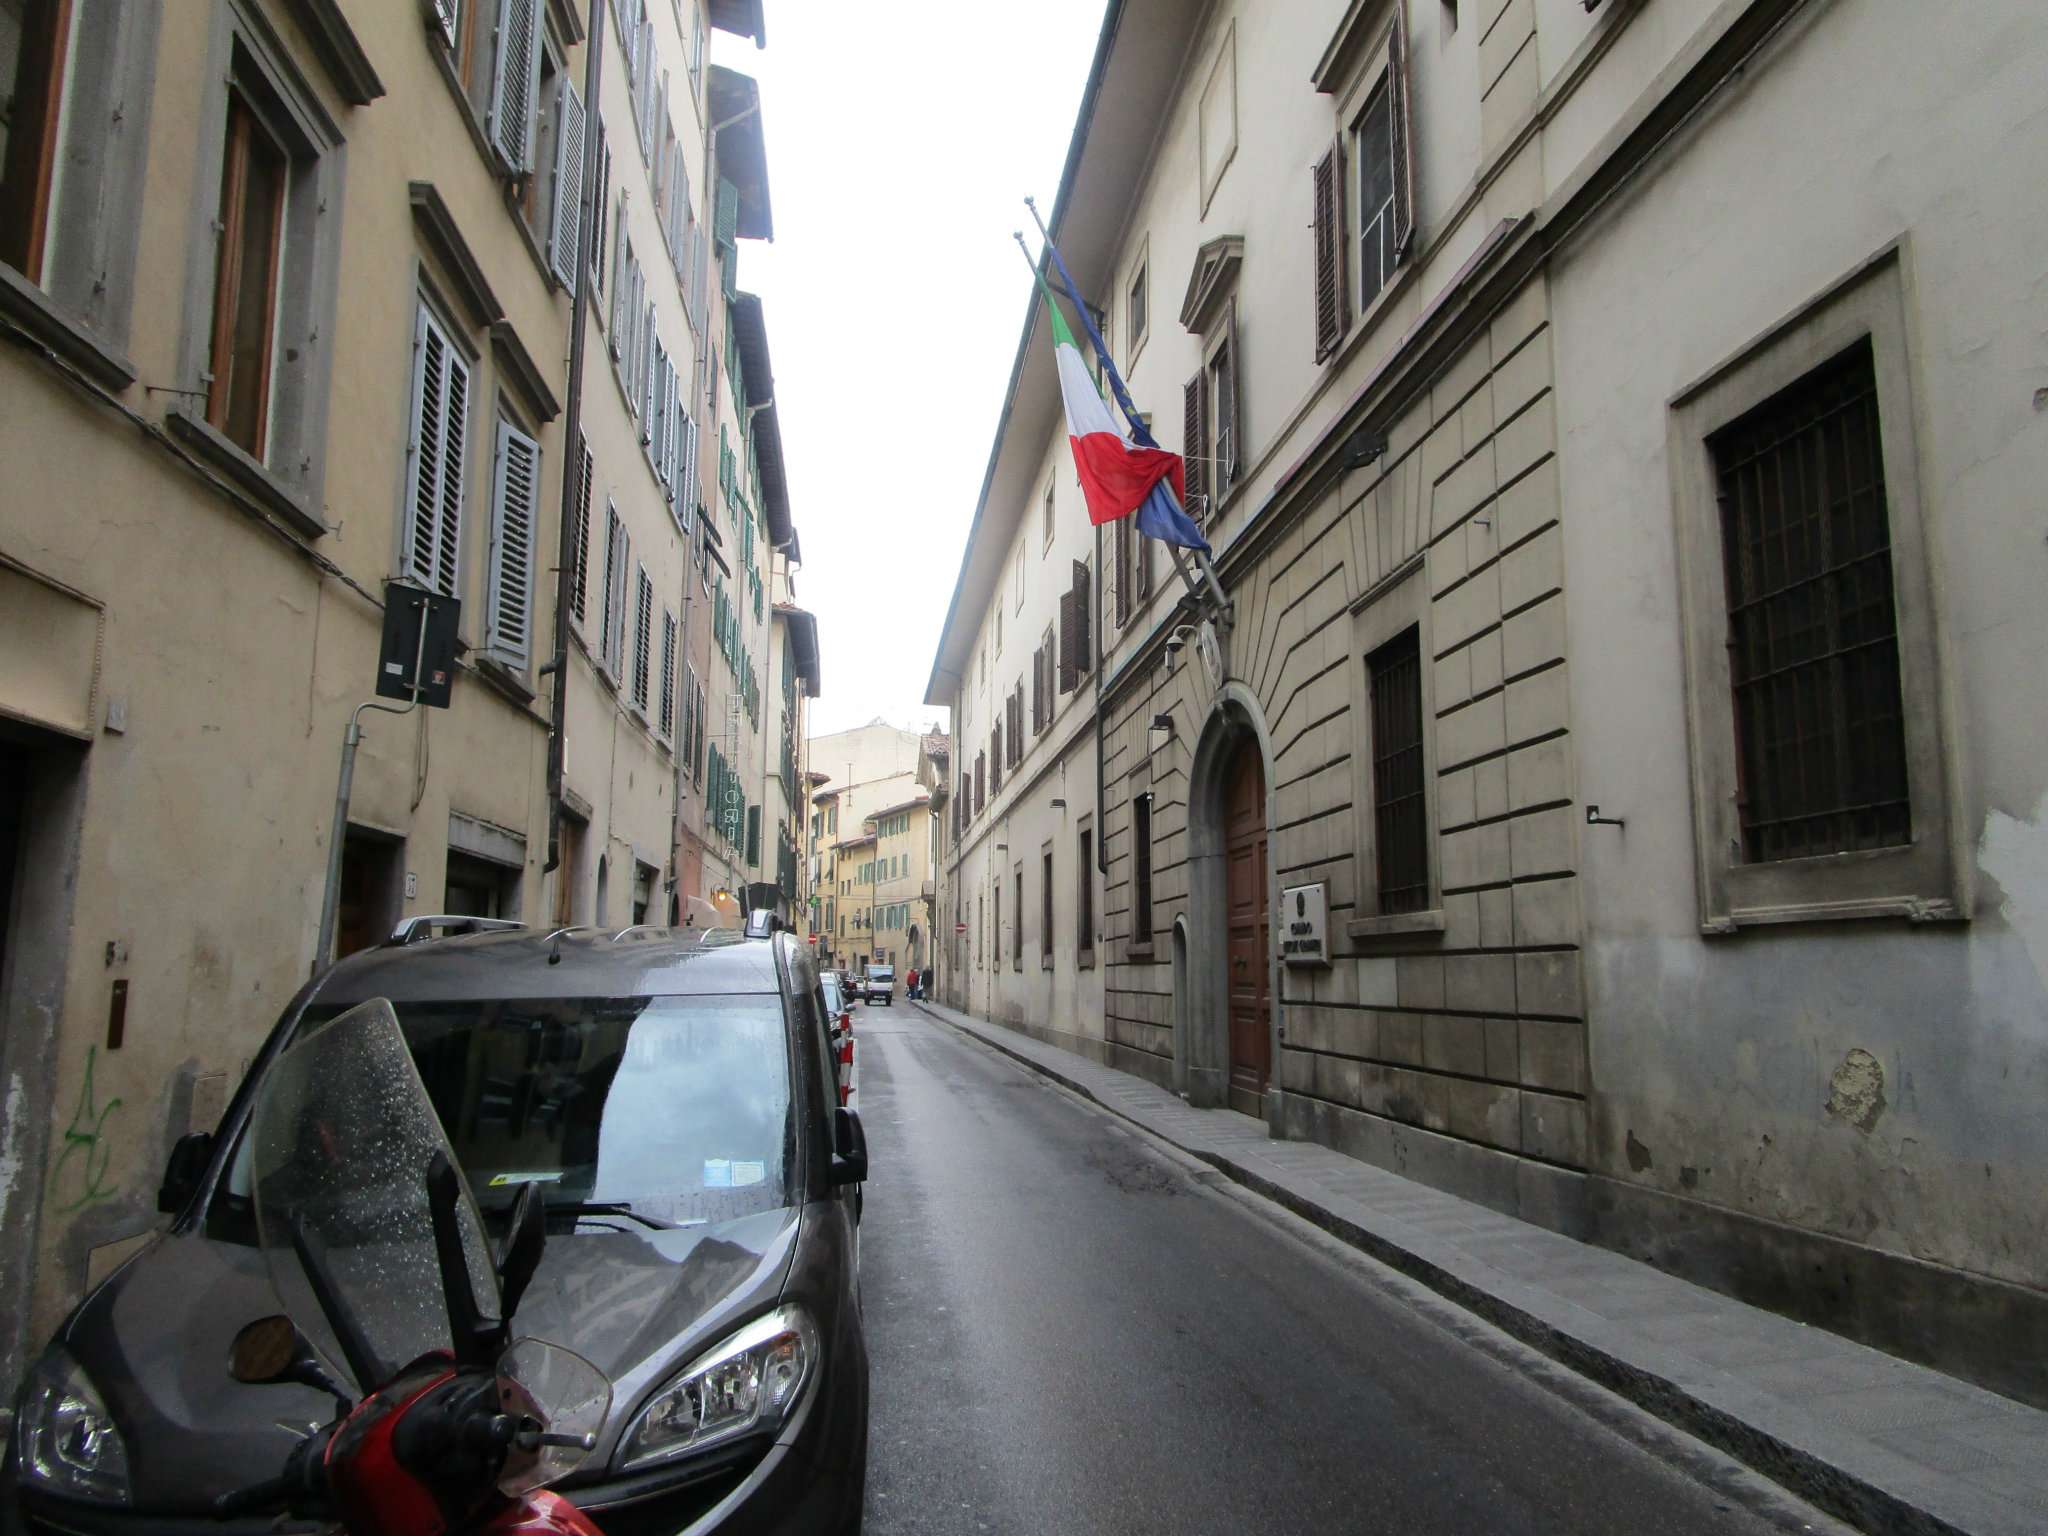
(850, 1150)
(187, 1166)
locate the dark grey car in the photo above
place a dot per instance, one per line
(673, 1095)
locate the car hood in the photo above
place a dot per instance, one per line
(638, 1304)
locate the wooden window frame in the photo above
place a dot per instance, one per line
(246, 121)
(1137, 316)
(1084, 894)
(1926, 879)
(32, 158)
(1143, 915)
(1046, 905)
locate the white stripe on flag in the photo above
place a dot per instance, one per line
(1087, 411)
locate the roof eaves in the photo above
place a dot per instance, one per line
(742, 147)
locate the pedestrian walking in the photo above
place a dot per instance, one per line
(910, 983)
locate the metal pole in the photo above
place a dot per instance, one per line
(330, 899)
(589, 220)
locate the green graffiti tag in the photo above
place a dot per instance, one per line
(82, 1139)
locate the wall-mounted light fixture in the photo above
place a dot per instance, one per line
(1059, 805)
(1160, 732)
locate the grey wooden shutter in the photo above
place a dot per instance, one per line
(1038, 690)
(1084, 615)
(666, 713)
(1194, 448)
(1404, 136)
(621, 279)
(447, 15)
(566, 229)
(618, 564)
(643, 637)
(515, 82)
(1070, 674)
(1122, 545)
(515, 505)
(646, 380)
(580, 587)
(440, 420)
(1333, 309)
(698, 257)
(600, 209)
(687, 491)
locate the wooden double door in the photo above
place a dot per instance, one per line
(1250, 930)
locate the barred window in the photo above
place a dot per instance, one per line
(1400, 809)
(1813, 634)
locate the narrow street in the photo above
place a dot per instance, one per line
(1073, 1331)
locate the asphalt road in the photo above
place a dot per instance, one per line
(1076, 1330)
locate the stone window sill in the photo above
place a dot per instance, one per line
(249, 475)
(1086, 960)
(504, 679)
(1396, 928)
(1045, 962)
(1139, 951)
(30, 308)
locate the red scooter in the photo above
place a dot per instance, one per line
(378, 1252)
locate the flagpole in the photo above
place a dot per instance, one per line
(1203, 563)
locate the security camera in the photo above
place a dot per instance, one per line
(1174, 642)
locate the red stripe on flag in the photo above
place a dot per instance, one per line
(1117, 478)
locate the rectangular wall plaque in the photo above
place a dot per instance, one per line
(1305, 924)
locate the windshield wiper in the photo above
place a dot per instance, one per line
(610, 1208)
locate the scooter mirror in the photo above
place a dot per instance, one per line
(266, 1351)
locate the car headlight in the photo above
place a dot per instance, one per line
(64, 1437)
(750, 1381)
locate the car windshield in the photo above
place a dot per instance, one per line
(881, 973)
(835, 1001)
(680, 1107)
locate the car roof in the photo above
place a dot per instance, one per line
(567, 962)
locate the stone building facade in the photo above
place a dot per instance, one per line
(1672, 829)
(289, 297)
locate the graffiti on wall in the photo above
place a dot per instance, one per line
(81, 1170)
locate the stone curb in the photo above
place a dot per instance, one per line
(1837, 1489)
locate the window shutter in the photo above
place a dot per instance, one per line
(687, 498)
(643, 635)
(666, 714)
(580, 587)
(1038, 690)
(515, 501)
(1333, 308)
(729, 285)
(1193, 448)
(599, 207)
(644, 382)
(643, 86)
(515, 82)
(1084, 616)
(447, 14)
(1235, 469)
(1404, 140)
(753, 834)
(1122, 543)
(698, 257)
(616, 640)
(440, 414)
(566, 229)
(621, 279)
(727, 214)
(1070, 674)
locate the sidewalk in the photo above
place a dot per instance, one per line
(1888, 1445)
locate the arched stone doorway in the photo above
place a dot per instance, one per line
(1228, 980)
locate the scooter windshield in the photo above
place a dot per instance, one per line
(342, 1139)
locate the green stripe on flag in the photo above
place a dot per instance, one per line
(1061, 336)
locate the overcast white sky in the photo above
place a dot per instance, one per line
(898, 158)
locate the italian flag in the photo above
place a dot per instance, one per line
(1118, 474)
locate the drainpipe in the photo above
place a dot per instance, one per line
(572, 430)
(1096, 637)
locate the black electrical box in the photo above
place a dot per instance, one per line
(408, 611)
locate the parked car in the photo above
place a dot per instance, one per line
(674, 1097)
(880, 985)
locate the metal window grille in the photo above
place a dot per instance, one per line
(1813, 649)
(1141, 869)
(1400, 810)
